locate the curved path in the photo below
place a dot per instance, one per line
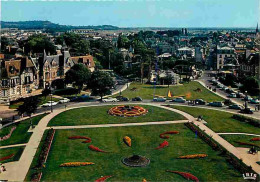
(17, 171)
(248, 134)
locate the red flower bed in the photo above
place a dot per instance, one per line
(127, 111)
(255, 139)
(249, 144)
(187, 176)
(8, 135)
(163, 144)
(162, 135)
(87, 139)
(103, 178)
(6, 157)
(96, 149)
(36, 177)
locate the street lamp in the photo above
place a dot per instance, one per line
(245, 99)
(51, 89)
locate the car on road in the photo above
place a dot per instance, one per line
(123, 99)
(64, 100)
(254, 101)
(247, 98)
(110, 99)
(236, 106)
(159, 99)
(247, 111)
(200, 102)
(216, 104)
(49, 104)
(179, 99)
(232, 95)
(137, 99)
(240, 95)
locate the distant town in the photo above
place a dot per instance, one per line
(97, 103)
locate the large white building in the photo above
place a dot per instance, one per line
(222, 54)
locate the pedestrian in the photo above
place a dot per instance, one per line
(65, 106)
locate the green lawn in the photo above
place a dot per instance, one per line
(240, 138)
(219, 121)
(17, 151)
(20, 134)
(99, 115)
(187, 89)
(144, 140)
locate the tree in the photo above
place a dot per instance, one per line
(251, 86)
(29, 106)
(100, 83)
(37, 43)
(78, 75)
(46, 92)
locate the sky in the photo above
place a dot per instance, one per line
(136, 13)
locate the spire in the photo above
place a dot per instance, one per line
(44, 54)
(257, 28)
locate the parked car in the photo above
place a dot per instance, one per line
(179, 99)
(216, 104)
(137, 99)
(232, 95)
(235, 106)
(254, 101)
(49, 104)
(240, 95)
(159, 99)
(64, 100)
(247, 111)
(200, 102)
(228, 102)
(121, 98)
(110, 99)
(247, 98)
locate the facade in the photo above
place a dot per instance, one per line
(19, 78)
(26, 76)
(222, 54)
(186, 52)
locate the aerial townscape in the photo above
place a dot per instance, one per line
(118, 102)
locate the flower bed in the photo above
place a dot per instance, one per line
(44, 154)
(96, 149)
(194, 156)
(162, 135)
(87, 139)
(249, 144)
(103, 179)
(36, 176)
(127, 141)
(76, 164)
(255, 139)
(163, 144)
(6, 157)
(127, 111)
(8, 135)
(187, 176)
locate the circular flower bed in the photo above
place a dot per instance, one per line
(136, 161)
(127, 111)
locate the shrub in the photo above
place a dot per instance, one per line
(248, 120)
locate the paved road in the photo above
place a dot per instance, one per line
(205, 79)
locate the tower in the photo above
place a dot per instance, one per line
(256, 31)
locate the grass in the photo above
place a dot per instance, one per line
(42, 99)
(219, 121)
(144, 140)
(17, 151)
(20, 134)
(99, 115)
(187, 89)
(240, 138)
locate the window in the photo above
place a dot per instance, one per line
(4, 93)
(220, 56)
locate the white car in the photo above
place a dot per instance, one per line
(64, 100)
(232, 95)
(110, 99)
(49, 104)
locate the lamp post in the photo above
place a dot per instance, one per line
(51, 99)
(246, 99)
